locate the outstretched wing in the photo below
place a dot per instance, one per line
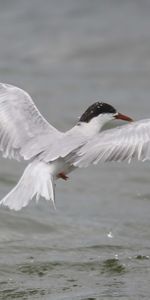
(118, 144)
(21, 124)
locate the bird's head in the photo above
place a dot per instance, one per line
(99, 113)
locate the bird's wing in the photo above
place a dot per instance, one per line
(21, 124)
(65, 145)
(118, 144)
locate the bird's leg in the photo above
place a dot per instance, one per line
(62, 176)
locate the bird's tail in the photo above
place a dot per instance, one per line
(35, 181)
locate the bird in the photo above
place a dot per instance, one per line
(51, 154)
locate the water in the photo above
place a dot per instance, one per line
(68, 54)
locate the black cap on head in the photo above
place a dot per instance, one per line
(96, 109)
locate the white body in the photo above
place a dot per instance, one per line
(25, 134)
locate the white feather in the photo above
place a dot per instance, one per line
(127, 142)
(35, 181)
(21, 124)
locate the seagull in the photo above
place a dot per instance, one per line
(26, 135)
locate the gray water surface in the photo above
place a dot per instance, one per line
(68, 54)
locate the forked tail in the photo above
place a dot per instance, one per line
(35, 181)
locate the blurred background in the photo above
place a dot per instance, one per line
(68, 54)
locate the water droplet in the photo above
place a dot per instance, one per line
(110, 235)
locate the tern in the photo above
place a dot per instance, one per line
(26, 135)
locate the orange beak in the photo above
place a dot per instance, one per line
(123, 117)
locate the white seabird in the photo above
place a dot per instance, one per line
(25, 134)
